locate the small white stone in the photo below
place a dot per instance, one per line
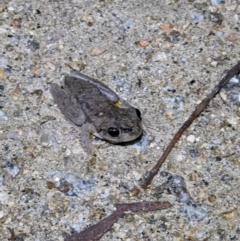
(137, 175)
(180, 157)
(231, 7)
(184, 60)
(191, 138)
(233, 121)
(60, 46)
(2, 113)
(3, 30)
(11, 8)
(2, 214)
(234, 80)
(3, 197)
(57, 179)
(214, 63)
(116, 226)
(216, 2)
(160, 57)
(68, 152)
(11, 203)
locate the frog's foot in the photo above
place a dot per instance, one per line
(87, 129)
(90, 149)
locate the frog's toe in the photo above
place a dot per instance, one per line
(91, 149)
(92, 154)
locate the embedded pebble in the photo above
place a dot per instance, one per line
(11, 8)
(214, 64)
(68, 152)
(197, 16)
(14, 135)
(11, 169)
(143, 43)
(165, 27)
(193, 153)
(233, 37)
(216, 18)
(33, 45)
(2, 75)
(129, 23)
(212, 198)
(227, 179)
(2, 214)
(4, 197)
(2, 113)
(233, 121)
(216, 2)
(170, 115)
(229, 215)
(176, 184)
(159, 56)
(191, 138)
(97, 51)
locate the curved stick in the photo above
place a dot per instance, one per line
(148, 177)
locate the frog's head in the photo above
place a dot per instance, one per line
(126, 126)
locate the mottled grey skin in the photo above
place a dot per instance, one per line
(90, 104)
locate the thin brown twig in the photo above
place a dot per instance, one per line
(96, 231)
(148, 177)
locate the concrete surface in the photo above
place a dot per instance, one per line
(161, 56)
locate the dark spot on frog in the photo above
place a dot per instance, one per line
(126, 129)
(86, 105)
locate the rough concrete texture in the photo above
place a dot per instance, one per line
(161, 56)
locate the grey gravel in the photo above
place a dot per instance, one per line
(47, 189)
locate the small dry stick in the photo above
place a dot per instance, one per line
(96, 231)
(148, 177)
(142, 206)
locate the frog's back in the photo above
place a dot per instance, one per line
(93, 102)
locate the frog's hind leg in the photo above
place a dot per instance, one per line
(69, 106)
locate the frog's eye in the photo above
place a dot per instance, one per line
(138, 112)
(113, 132)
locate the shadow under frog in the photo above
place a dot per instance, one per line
(88, 103)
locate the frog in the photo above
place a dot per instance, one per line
(96, 109)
